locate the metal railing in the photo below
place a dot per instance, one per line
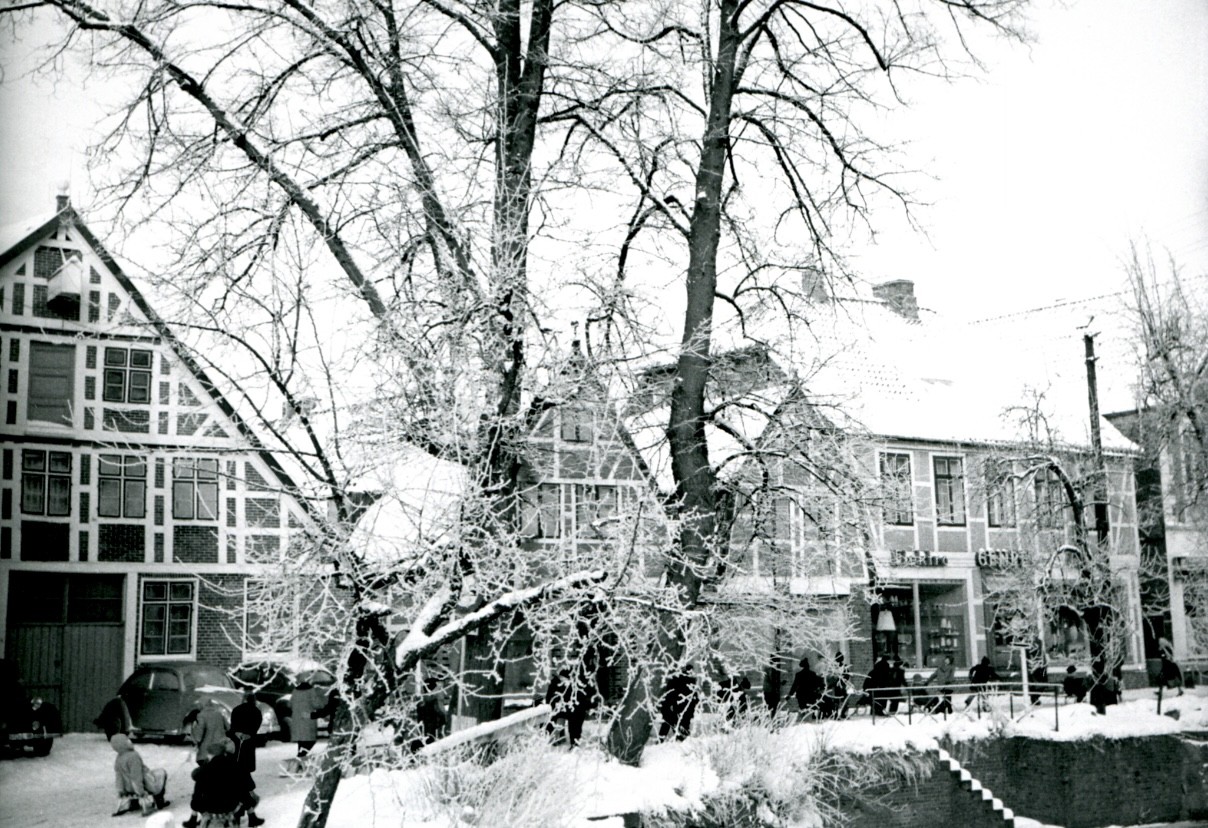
(936, 700)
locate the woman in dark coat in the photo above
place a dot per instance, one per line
(245, 724)
(221, 789)
(114, 718)
(678, 705)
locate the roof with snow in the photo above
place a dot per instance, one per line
(870, 369)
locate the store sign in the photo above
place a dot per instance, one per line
(916, 557)
(1001, 559)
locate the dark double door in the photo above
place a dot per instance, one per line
(65, 634)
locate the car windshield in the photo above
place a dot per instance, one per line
(203, 676)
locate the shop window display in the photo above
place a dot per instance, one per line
(1066, 637)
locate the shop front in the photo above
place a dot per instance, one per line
(921, 610)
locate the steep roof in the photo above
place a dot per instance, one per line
(19, 237)
(868, 368)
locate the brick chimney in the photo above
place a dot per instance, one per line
(899, 295)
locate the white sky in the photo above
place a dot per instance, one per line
(1043, 170)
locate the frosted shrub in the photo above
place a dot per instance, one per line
(521, 784)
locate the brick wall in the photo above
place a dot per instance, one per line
(1092, 783)
(195, 544)
(220, 620)
(121, 542)
(938, 799)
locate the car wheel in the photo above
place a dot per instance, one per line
(42, 746)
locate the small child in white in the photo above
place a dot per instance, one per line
(136, 784)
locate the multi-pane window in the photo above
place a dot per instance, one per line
(593, 506)
(949, 491)
(1050, 500)
(167, 627)
(544, 511)
(127, 376)
(898, 489)
(576, 425)
(51, 383)
(195, 489)
(122, 486)
(46, 483)
(1000, 494)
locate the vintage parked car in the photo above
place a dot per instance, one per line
(161, 696)
(274, 681)
(26, 724)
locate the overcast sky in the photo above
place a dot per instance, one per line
(1044, 168)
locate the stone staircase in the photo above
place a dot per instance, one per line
(992, 803)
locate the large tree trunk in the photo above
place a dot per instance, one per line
(695, 480)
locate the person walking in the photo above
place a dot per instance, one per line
(1105, 689)
(571, 700)
(897, 684)
(678, 704)
(137, 786)
(1171, 673)
(807, 688)
(1073, 685)
(980, 677)
(430, 712)
(771, 688)
(209, 727)
(308, 704)
(943, 679)
(876, 685)
(245, 724)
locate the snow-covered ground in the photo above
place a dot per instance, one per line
(73, 787)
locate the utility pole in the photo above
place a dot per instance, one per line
(1099, 493)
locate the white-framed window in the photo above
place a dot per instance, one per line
(195, 488)
(1051, 502)
(127, 376)
(1000, 495)
(949, 491)
(168, 625)
(51, 391)
(45, 483)
(583, 510)
(121, 486)
(898, 489)
(815, 527)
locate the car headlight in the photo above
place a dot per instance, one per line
(35, 703)
(268, 719)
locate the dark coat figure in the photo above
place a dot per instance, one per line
(1172, 674)
(1072, 685)
(221, 789)
(732, 693)
(1105, 689)
(114, 718)
(430, 712)
(897, 684)
(571, 699)
(245, 724)
(879, 680)
(980, 675)
(678, 704)
(807, 687)
(1038, 675)
(771, 688)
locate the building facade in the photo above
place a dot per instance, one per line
(136, 509)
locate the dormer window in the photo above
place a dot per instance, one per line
(127, 376)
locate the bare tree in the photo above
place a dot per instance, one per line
(395, 158)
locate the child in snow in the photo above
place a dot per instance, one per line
(136, 785)
(222, 790)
